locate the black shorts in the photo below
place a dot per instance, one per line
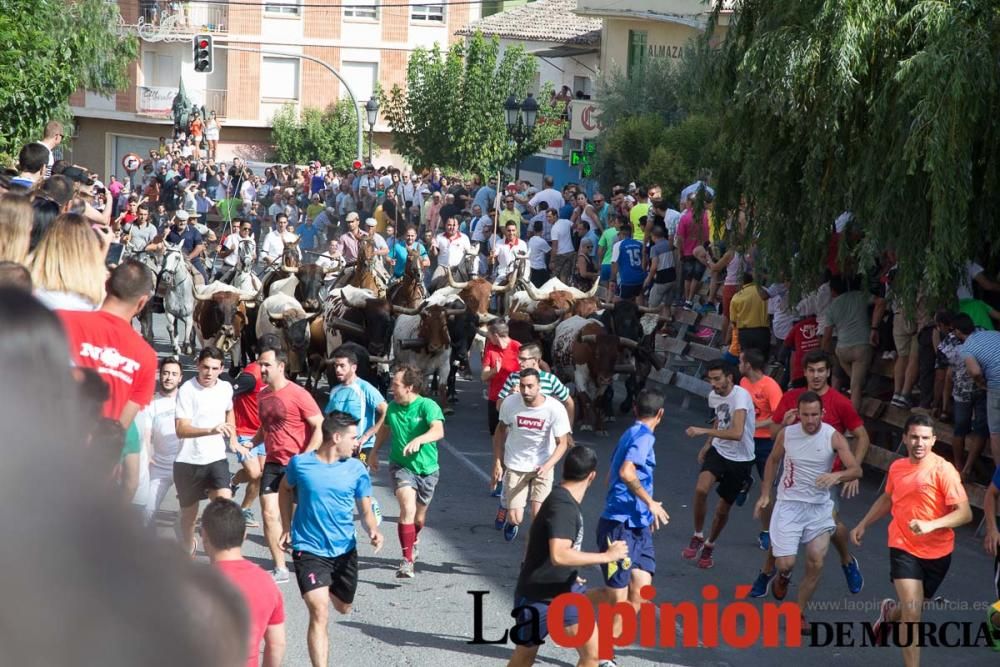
(732, 476)
(193, 481)
(339, 574)
(492, 416)
(931, 571)
(665, 276)
(270, 479)
(756, 337)
(629, 291)
(692, 269)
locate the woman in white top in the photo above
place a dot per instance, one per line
(584, 211)
(212, 128)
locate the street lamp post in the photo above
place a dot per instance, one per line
(520, 117)
(371, 108)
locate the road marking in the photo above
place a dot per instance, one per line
(467, 461)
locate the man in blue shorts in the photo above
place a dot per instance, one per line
(553, 559)
(328, 484)
(357, 398)
(630, 513)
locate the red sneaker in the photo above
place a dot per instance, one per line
(691, 552)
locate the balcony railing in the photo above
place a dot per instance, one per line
(157, 101)
(161, 19)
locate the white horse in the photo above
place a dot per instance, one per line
(177, 285)
(152, 262)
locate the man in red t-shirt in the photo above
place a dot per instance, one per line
(804, 337)
(246, 389)
(105, 341)
(223, 531)
(499, 361)
(290, 423)
(840, 414)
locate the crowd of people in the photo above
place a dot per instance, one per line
(72, 283)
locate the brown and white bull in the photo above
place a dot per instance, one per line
(586, 355)
(302, 332)
(220, 315)
(422, 338)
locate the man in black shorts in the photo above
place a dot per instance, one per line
(924, 492)
(204, 423)
(328, 484)
(553, 559)
(726, 459)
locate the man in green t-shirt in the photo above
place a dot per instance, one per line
(415, 424)
(606, 244)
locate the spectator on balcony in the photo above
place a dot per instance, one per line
(212, 130)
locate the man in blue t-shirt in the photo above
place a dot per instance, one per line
(626, 265)
(630, 513)
(328, 484)
(399, 252)
(357, 398)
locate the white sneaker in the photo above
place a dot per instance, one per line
(405, 570)
(280, 575)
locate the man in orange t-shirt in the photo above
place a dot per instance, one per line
(765, 394)
(924, 492)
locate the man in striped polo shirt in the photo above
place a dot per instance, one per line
(530, 356)
(982, 359)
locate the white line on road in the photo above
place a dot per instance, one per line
(467, 461)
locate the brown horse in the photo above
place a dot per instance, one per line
(289, 260)
(366, 275)
(409, 291)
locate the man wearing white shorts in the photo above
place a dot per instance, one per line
(157, 419)
(803, 512)
(531, 438)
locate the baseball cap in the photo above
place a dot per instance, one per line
(182, 215)
(352, 216)
(371, 222)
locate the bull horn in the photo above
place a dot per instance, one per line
(545, 328)
(412, 343)
(625, 368)
(453, 283)
(378, 360)
(532, 292)
(627, 342)
(403, 310)
(289, 269)
(482, 332)
(486, 318)
(605, 305)
(198, 297)
(341, 323)
(593, 288)
(588, 338)
(499, 289)
(648, 309)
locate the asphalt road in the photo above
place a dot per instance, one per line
(429, 620)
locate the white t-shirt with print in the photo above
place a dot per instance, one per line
(725, 409)
(204, 407)
(531, 432)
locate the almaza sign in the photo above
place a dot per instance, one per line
(584, 119)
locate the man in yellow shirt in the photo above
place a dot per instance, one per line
(509, 214)
(638, 211)
(748, 313)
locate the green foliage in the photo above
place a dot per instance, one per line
(884, 108)
(652, 89)
(451, 114)
(329, 136)
(51, 49)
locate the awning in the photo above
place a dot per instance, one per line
(566, 51)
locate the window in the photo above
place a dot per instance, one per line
(361, 77)
(582, 84)
(356, 11)
(422, 12)
(283, 7)
(279, 78)
(636, 51)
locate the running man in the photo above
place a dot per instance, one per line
(204, 422)
(766, 395)
(924, 492)
(157, 419)
(246, 391)
(358, 398)
(223, 530)
(531, 437)
(726, 459)
(328, 484)
(630, 513)
(290, 423)
(415, 424)
(530, 356)
(840, 414)
(553, 559)
(803, 513)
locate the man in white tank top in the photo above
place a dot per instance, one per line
(803, 512)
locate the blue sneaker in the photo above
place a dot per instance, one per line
(509, 532)
(852, 572)
(761, 584)
(501, 518)
(742, 498)
(498, 489)
(764, 540)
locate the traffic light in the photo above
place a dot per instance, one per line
(203, 54)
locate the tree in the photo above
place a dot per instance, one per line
(329, 135)
(451, 113)
(887, 109)
(51, 49)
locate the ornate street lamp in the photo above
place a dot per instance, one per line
(371, 108)
(520, 125)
